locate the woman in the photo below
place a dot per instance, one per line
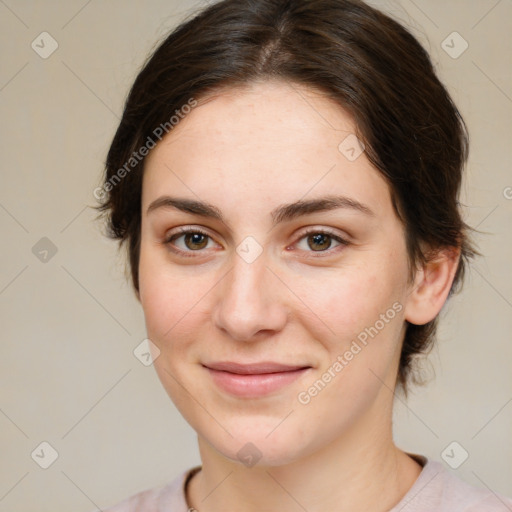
(285, 176)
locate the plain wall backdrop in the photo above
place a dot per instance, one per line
(70, 322)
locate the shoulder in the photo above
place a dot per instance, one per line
(469, 498)
(168, 498)
(438, 489)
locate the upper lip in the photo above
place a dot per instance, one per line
(253, 368)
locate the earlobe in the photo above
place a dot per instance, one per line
(431, 286)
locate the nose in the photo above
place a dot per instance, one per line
(250, 301)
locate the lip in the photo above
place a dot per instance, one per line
(255, 379)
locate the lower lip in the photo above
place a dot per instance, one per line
(250, 386)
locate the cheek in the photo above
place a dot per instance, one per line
(171, 304)
(359, 323)
(166, 296)
(349, 300)
(366, 315)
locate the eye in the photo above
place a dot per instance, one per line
(317, 240)
(193, 240)
(189, 240)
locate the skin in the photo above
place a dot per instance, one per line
(248, 151)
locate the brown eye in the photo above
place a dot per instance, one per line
(319, 241)
(195, 241)
(189, 241)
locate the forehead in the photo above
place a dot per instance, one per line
(270, 142)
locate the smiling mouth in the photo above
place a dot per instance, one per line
(253, 380)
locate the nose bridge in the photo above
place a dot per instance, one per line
(248, 302)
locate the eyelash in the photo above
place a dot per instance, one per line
(315, 254)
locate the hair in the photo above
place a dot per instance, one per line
(371, 65)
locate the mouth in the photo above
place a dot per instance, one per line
(253, 380)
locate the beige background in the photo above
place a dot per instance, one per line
(69, 326)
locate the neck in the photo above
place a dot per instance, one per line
(361, 470)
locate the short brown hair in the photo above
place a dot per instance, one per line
(367, 62)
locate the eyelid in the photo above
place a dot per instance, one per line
(183, 231)
(318, 229)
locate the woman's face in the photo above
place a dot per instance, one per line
(293, 261)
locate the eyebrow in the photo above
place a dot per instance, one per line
(282, 213)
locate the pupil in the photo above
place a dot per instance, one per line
(319, 239)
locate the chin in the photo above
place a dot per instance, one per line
(260, 453)
(256, 442)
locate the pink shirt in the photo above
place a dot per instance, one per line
(435, 490)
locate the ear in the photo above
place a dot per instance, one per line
(432, 284)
